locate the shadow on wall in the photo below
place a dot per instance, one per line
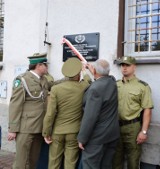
(0, 137)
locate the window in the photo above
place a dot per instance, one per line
(1, 28)
(142, 28)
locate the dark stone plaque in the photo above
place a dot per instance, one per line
(87, 44)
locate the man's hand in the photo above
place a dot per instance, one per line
(48, 140)
(141, 138)
(90, 67)
(81, 146)
(11, 136)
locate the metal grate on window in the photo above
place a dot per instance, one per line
(144, 29)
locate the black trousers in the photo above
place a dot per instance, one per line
(98, 156)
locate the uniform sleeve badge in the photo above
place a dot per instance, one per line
(16, 83)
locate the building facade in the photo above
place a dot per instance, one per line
(121, 27)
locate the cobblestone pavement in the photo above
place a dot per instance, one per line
(6, 159)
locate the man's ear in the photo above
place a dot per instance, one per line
(94, 71)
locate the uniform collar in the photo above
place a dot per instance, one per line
(129, 80)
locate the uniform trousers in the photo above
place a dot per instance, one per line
(63, 145)
(127, 148)
(98, 156)
(43, 157)
(27, 150)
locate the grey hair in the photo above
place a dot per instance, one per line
(102, 67)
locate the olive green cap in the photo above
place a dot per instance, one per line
(71, 67)
(128, 60)
(38, 58)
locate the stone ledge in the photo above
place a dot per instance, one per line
(154, 134)
(151, 148)
(150, 154)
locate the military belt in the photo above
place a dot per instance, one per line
(125, 122)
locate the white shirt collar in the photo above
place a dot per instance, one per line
(99, 77)
(35, 74)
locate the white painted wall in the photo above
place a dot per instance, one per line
(24, 35)
(74, 17)
(25, 27)
(21, 37)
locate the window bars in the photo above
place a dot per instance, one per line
(144, 25)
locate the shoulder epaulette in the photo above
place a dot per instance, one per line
(144, 83)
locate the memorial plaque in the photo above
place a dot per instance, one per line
(87, 44)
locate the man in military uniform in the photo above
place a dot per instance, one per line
(26, 112)
(50, 80)
(62, 120)
(135, 102)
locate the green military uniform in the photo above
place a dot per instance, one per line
(63, 117)
(26, 112)
(134, 95)
(50, 80)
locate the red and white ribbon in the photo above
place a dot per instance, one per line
(64, 40)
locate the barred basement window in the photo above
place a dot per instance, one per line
(142, 28)
(1, 28)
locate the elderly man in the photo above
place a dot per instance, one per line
(99, 130)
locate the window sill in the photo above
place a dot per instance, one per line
(143, 60)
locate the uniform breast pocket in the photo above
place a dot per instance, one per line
(35, 90)
(134, 96)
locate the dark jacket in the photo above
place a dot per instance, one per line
(100, 120)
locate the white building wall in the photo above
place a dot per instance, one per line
(25, 32)
(21, 37)
(76, 17)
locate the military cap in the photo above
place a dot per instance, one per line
(38, 58)
(71, 67)
(128, 60)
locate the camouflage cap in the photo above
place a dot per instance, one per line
(71, 67)
(38, 58)
(128, 60)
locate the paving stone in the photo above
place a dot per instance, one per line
(6, 159)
